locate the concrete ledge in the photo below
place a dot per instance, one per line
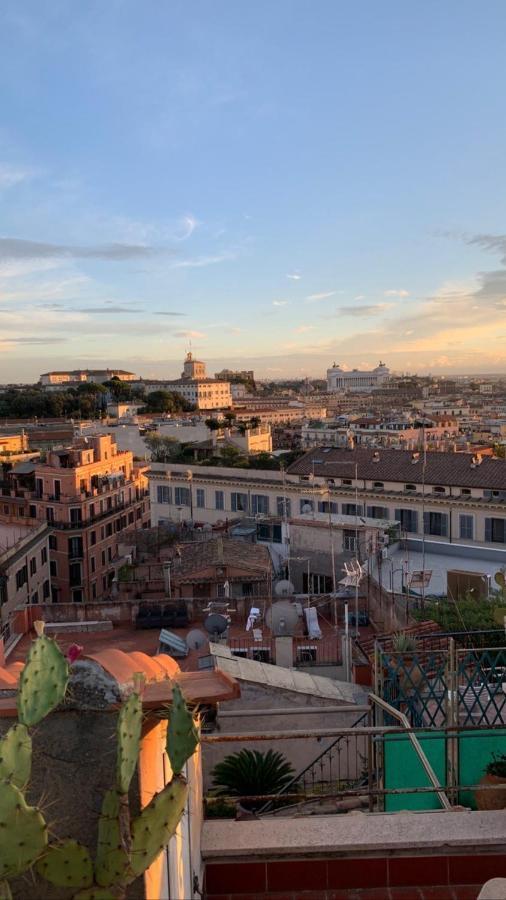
(361, 834)
(62, 627)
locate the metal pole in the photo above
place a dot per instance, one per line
(356, 548)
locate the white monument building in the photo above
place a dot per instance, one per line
(340, 380)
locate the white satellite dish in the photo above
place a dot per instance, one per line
(196, 639)
(284, 588)
(307, 508)
(282, 618)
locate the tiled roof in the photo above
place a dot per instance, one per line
(451, 469)
(220, 552)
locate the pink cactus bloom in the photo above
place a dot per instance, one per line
(74, 652)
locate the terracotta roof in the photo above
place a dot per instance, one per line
(220, 552)
(161, 671)
(396, 465)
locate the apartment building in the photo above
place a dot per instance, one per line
(24, 571)
(372, 432)
(89, 494)
(451, 497)
(77, 376)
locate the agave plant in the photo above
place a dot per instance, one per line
(248, 773)
(403, 643)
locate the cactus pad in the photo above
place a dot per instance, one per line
(129, 735)
(156, 824)
(23, 832)
(66, 865)
(112, 862)
(182, 733)
(43, 681)
(16, 756)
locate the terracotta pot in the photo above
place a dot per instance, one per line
(491, 799)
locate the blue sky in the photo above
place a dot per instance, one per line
(282, 184)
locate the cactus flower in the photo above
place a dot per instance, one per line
(74, 652)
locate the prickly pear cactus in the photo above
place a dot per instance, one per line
(152, 830)
(129, 736)
(23, 832)
(43, 681)
(5, 891)
(182, 733)
(16, 756)
(67, 864)
(112, 862)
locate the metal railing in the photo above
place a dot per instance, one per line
(368, 767)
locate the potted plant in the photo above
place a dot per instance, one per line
(250, 773)
(495, 774)
(403, 662)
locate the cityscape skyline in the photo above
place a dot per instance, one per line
(277, 189)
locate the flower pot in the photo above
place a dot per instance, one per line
(489, 799)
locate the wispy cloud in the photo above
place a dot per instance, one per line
(12, 175)
(169, 313)
(15, 248)
(396, 292)
(280, 302)
(31, 340)
(187, 226)
(373, 309)
(324, 295)
(202, 261)
(294, 276)
(302, 329)
(189, 334)
(106, 310)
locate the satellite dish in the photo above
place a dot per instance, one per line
(207, 527)
(215, 624)
(284, 588)
(307, 508)
(282, 618)
(196, 639)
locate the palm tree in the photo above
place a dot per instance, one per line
(249, 773)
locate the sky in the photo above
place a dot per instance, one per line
(275, 185)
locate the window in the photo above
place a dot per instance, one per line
(325, 507)
(93, 537)
(52, 542)
(435, 523)
(93, 564)
(103, 557)
(93, 590)
(50, 514)
(21, 577)
(379, 485)
(306, 506)
(410, 487)
(466, 492)
(53, 568)
(346, 481)
(39, 488)
(219, 500)
(408, 519)
(32, 511)
(259, 504)
(43, 556)
(351, 509)
(377, 512)
(239, 502)
(74, 574)
(109, 554)
(350, 541)
(201, 498)
(466, 528)
(181, 496)
(284, 506)
(33, 565)
(92, 510)
(318, 584)
(75, 547)
(57, 490)
(46, 590)
(439, 489)
(35, 597)
(495, 531)
(164, 493)
(76, 515)
(77, 596)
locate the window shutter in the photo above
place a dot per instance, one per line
(488, 529)
(444, 525)
(370, 512)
